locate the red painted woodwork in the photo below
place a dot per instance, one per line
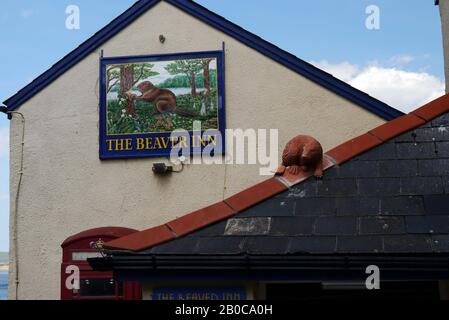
(112, 290)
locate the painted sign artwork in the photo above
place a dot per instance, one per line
(145, 100)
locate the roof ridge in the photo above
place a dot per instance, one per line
(214, 20)
(269, 188)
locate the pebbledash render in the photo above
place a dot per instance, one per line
(61, 190)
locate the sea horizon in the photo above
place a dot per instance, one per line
(3, 285)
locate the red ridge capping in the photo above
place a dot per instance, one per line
(255, 194)
(354, 147)
(433, 109)
(142, 240)
(200, 218)
(397, 126)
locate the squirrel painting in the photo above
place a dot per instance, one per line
(302, 153)
(164, 100)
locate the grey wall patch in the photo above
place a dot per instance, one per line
(248, 226)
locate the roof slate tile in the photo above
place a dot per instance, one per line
(437, 204)
(437, 167)
(220, 245)
(359, 206)
(359, 244)
(382, 225)
(427, 224)
(316, 244)
(337, 187)
(421, 185)
(404, 205)
(379, 186)
(267, 245)
(442, 149)
(296, 226)
(398, 168)
(315, 206)
(407, 244)
(424, 150)
(336, 226)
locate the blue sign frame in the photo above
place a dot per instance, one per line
(129, 142)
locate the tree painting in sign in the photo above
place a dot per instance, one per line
(161, 96)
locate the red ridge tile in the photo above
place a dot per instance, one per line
(353, 147)
(296, 178)
(200, 218)
(255, 194)
(397, 126)
(434, 108)
(142, 240)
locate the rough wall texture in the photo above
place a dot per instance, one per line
(67, 189)
(444, 12)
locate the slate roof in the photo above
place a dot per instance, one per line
(385, 192)
(264, 47)
(392, 199)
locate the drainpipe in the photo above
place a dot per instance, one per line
(14, 216)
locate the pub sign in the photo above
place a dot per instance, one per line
(152, 104)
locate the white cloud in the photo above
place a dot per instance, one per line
(404, 90)
(4, 142)
(343, 71)
(401, 59)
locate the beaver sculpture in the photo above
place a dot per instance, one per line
(302, 153)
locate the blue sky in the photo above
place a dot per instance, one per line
(401, 63)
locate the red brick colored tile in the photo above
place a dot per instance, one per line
(200, 218)
(397, 126)
(433, 109)
(353, 147)
(142, 240)
(296, 178)
(256, 194)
